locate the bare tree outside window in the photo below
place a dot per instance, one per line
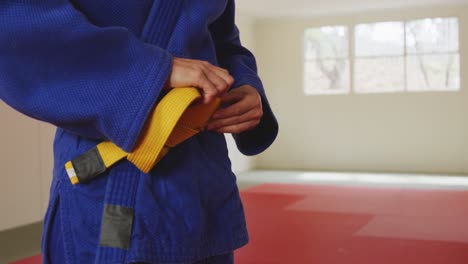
(433, 54)
(326, 67)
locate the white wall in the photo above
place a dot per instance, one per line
(405, 132)
(26, 168)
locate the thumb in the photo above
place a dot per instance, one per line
(231, 97)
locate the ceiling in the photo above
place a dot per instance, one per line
(269, 8)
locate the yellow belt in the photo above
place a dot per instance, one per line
(173, 121)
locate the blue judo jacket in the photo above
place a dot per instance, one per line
(95, 69)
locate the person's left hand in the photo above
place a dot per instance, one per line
(243, 113)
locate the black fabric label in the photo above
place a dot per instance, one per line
(116, 228)
(88, 165)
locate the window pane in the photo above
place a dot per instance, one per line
(380, 39)
(327, 76)
(326, 43)
(374, 75)
(433, 72)
(432, 35)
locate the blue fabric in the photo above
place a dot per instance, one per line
(54, 252)
(95, 69)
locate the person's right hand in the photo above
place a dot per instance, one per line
(213, 81)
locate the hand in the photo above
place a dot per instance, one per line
(212, 80)
(243, 113)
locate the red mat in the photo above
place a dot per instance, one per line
(354, 225)
(310, 224)
(33, 260)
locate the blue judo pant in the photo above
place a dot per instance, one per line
(55, 250)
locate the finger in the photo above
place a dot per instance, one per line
(209, 90)
(232, 97)
(221, 85)
(224, 74)
(220, 72)
(239, 128)
(251, 115)
(235, 109)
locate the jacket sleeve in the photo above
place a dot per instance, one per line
(241, 64)
(57, 67)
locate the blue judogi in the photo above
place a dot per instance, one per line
(95, 69)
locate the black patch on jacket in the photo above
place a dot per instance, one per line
(116, 228)
(88, 165)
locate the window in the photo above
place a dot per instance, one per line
(433, 58)
(379, 61)
(399, 56)
(326, 65)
